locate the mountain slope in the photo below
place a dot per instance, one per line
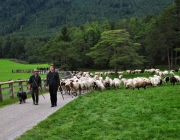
(32, 17)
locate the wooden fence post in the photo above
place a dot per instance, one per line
(27, 83)
(11, 90)
(21, 86)
(1, 94)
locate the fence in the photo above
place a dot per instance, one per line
(14, 86)
(40, 71)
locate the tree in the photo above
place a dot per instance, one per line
(169, 33)
(61, 54)
(115, 48)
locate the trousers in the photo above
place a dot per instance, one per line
(35, 94)
(53, 94)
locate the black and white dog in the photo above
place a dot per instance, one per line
(22, 97)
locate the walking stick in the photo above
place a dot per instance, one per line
(40, 92)
(61, 92)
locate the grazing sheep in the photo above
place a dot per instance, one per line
(128, 71)
(132, 72)
(120, 76)
(165, 73)
(107, 82)
(176, 70)
(116, 83)
(155, 80)
(128, 84)
(172, 72)
(138, 85)
(173, 80)
(166, 79)
(137, 71)
(99, 85)
(120, 72)
(177, 77)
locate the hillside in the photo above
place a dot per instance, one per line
(45, 17)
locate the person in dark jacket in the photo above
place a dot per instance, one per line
(34, 86)
(53, 84)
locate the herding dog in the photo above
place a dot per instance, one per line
(22, 97)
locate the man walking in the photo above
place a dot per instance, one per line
(35, 86)
(53, 81)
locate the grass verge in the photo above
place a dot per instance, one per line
(153, 113)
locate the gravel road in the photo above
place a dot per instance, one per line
(18, 118)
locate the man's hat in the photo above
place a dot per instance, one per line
(36, 70)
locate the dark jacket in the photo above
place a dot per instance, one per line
(52, 79)
(35, 82)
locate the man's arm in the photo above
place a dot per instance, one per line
(47, 81)
(58, 79)
(29, 82)
(39, 83)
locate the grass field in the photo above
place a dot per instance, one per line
(151, 114)
(7, 66)
(123, 114)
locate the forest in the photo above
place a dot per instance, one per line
(46, 17)
(140, 39)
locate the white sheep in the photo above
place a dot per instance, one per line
(172, 73)
(99, 85)
(120, 76)
(116, 82)
(177, 77)
(165, 73)
(128, 71)
(75, 87)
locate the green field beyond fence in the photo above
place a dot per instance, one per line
(6, 67)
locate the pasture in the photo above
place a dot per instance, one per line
(7, 66)
(153, 113)
(115, 114)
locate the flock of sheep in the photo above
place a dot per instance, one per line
(86, 81)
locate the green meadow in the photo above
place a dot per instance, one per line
(122, 114)
(6, 67)
(115, 114)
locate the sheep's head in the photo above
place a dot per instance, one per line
(71, 84)
(95, 85)
(63, 83)
(126, 86)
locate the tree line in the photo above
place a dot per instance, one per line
(130, 42)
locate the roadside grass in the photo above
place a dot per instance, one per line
(7, 66)
(125, 114)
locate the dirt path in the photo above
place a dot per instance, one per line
(18, 118)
